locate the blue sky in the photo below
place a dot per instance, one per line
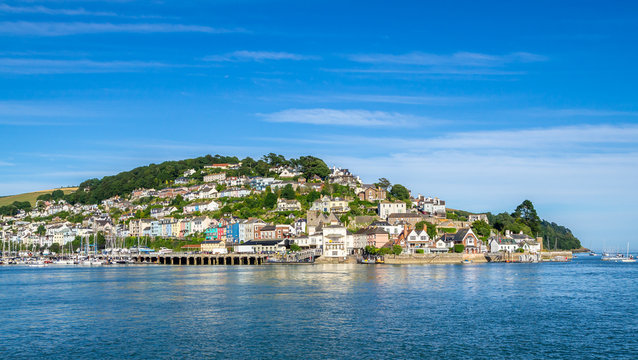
(482, 104)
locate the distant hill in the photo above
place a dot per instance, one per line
(32, 196)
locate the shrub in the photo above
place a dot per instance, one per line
(458, 248)
(420, 251)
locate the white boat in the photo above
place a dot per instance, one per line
(165, 251)
(63, 262)
(628, 259)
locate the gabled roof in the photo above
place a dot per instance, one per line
(263, 242)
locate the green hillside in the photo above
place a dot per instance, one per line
(31, 197)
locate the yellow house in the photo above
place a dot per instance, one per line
(214, 246)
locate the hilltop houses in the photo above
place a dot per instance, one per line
(184, 208)
(288, 205)
(371, 193)
(330, 205)
(215, 177)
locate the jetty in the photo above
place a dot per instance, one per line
(201, 259)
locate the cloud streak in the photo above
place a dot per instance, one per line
(358, 118)
(465, 59)
(259, 56)
(456, 64)
(76, 28)
(63, 66)
(377, 98)
(5, 8)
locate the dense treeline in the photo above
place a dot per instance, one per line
(157, 176)
(525, 219)
(55, 195)
(15, 207)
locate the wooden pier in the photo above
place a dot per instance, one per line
(201, 259)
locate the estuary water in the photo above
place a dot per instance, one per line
(583, 309)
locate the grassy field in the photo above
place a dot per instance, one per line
(30, 197)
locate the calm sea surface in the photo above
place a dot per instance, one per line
(583, 309)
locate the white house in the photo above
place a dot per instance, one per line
(418, 239)
(211, 206)
(288, 205)
(215, 177)
(499, 244)
(391, 207)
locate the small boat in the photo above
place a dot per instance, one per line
(466, 261)
(367, 261)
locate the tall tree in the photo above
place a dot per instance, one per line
(383, 183)
(526, 212)
(400, 192)
(288, 192)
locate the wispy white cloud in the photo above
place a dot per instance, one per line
(245, 55)
(378, 98)
(74, 28)
(41, 109)
(60, 66)
(5, 8)
(465, 59)
(6, 163)
(560, 169)
(456, 64)
(362, 118)
(558, 141)
(574, 112)
(431, 71)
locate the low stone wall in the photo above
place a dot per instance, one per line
(556, 255)
(446, 258)
(336, 260)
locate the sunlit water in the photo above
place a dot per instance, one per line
(583, 309)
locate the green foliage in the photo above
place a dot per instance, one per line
(369, 249)
(520, 250)
(481, 228)
(527, 214)
(420, 225)
(275, 160)
(400, 192)
(431, 230)
(397, 249)
(383, 183)
(458, 248)
(15, 207)
(41, 230)
(559, 236)
(526, 219)
(294, 247)
(54, 248)
(341, 191)
(311, 166)
(448, 230)
(270, 200)
(312, 196)
(419, 251)
(288, 192)
(76, 219)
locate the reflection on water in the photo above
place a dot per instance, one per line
(321, 311)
